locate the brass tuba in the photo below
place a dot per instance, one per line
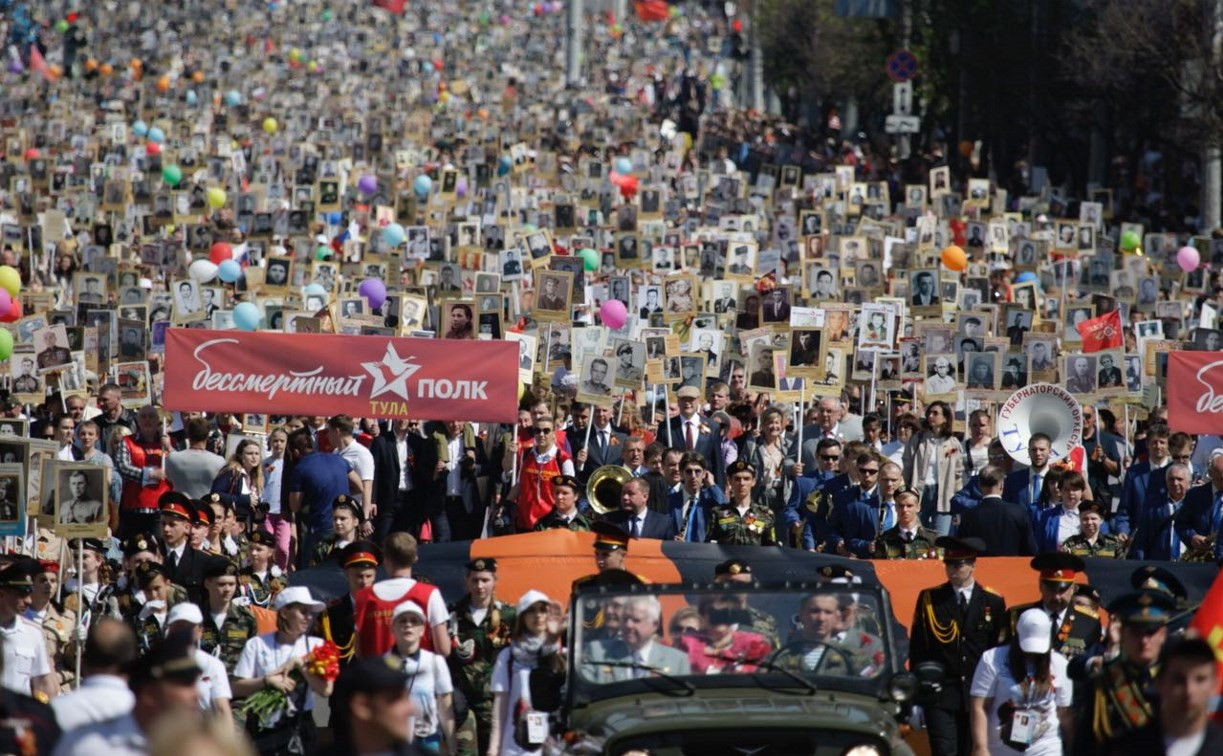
(603, 487)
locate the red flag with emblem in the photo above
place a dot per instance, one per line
(1208, 623)
(1100, 333)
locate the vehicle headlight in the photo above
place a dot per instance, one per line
(863, 750)
(902, 687)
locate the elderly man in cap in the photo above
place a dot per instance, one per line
(267, 661)
(163, 682)
(564, 514)
(1077, 630)
(953, 624)
(212, 685)
(691, 431)
(481, 626)
(1119, 698)
(27, 669)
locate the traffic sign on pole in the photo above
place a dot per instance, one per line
(902, 124)
(901, 66)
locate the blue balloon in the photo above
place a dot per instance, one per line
(229, 270)
(1026, 277)
(504, 165)
(140, 128)
(192, 99)
(624, 165)
(233, 97)
(394, 235)
(157, 135)
(334, 218)
(247, 316)
(422, 185)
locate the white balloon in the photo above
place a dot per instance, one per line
(203, 270)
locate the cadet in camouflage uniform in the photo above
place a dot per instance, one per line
(480, 626)
(346, 521)
(57, 627)
(225, 641)
(565, 514)
(139, 550)
(1089, 541)
(864, 617)
(762, 623)
(155, 589)
(261, 580)
(907, 539)
(741, 522)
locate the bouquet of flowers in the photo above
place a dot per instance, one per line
(266, 704)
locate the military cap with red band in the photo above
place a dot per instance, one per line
(175, 503)
(1058, 567)
(360, 554)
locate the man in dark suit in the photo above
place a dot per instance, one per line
(860, 513)
(452, 461)
(1186, 680)
(1004, 527)
(605, 445)
(693, 503)
(397, 479)
(1076, 628)
(1024, 486)
(953, 624)
(636, 518)
(1155, 539)
(1200, 517)
(183, 565)
(690, 431)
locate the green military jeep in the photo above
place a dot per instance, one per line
(710, 669)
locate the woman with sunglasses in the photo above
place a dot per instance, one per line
(767, 452)
(534, 495)
(934, 467)
(535, 642)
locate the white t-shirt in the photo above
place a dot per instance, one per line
(993, 680)
(25, 655)
(392, 587)
(428, 678)
(213, 682)
(360, 461)
(262, 656)
(517, 689)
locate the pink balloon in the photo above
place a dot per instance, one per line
(6, 301)
(613, 314)
(1188, 258)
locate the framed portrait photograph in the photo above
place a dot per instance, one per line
(1109, 376)
(940, 378)
(924, 294)
(554, 292)
(1080, 373)
(90, 288)
(1014, 371)
(981, 371)
(595, 381)
(876, 327)
(679, 297)
(80, 500)
(528, 351)
(51, 349)
(134, 383)
(279, 273)
(459, 319)
(630, 357)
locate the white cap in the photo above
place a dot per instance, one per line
(298, 594)
(185, 612)
(530, 599)
(1035, 631)
(407, 607)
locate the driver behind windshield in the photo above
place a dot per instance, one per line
(813, 647)
(638, 652)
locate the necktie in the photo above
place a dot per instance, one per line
(1054, 627)
(963, 605)
(603, 444)
(172, 560)
(691, 437)
(907, 536)
(1036, 480)
(889, 515)
(636, 527)
(639, 659)
(1176, 540)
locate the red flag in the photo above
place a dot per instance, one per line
(651, 10)
(1208, 622)
(37, 63)
(394, 6)
(1103, 332)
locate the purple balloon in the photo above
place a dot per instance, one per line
(14, 66)
(374, 292)
(460, 188)
(368, 184)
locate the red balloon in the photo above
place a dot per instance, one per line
(152, 148)
(628, 186)
(31, 154)
(14, 313)
(220, 252)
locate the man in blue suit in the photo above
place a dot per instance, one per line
(1024, 486)
(860, 513)
(690, 431)
(1155, 539)
(636, 517)
(1139, 478)
(1200, 517)
(692, 504)
(797, 515)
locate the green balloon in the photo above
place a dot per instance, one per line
(171, 174)
(590, 259)
(1130, 240)
(322, 252)
(327, 14)
(61, 25)
(6, 343)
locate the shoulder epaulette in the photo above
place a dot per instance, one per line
(987, 589)
(1089, 612)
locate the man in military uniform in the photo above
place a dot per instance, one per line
(611, 553)
(480, 626)
(261, 580)
(57, 626)
(907, 539)
(1118, 700)
(864, 618)
(741, 522)
(336, 623)
(183, 565)
(1089, 541)
(739, 571)
(564, 514)
(345, 521)
(953, 625)
(611, 550)
(1076, 629)
(225, 641)
(137, 551)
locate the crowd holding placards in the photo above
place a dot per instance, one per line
(728, 329)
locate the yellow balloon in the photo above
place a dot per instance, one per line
(270, 125)
(10, 279)
(216, 198)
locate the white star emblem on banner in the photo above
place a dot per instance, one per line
(398, 368)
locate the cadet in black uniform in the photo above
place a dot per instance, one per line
(953, 624)
(336, 623)
(1076, 629)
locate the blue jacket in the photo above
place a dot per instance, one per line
(967, 497)
(693, 531)
(1141, 482)
(815, 529)
(1044, 528)
(1154, 534)
(854, 521)
(1196, 516)
(1018, 488)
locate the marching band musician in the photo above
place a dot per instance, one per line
(692, 504)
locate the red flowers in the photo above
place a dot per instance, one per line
(756, 651)
(324, 661)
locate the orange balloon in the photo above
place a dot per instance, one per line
(136, 63)
(55, 70)
(198, 77)
(163, 83)
(954, 258)
(965, 148)
(91, 65)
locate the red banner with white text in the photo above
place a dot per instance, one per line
(324, 374)
(1195, 392)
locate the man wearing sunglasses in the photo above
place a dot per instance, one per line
(861, 513)
(694, 501)
(805, 516)
(534, 495)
